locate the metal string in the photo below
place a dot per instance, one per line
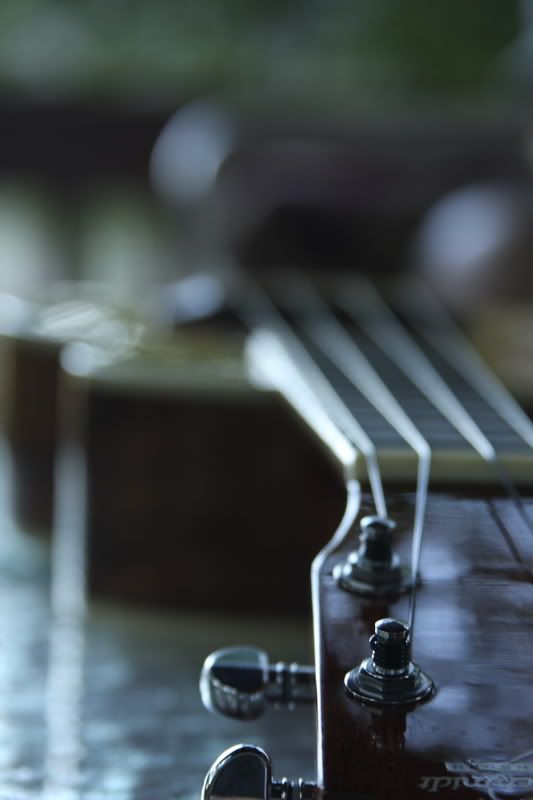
(270, 364)
(259, 311)
(391, 336)
(346, 525)
(393, 339)
(447, 339)
(518, 556)
(332, 338)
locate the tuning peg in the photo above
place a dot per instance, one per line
(389, 677)
(245, 771)
(374, 568)
(238, 682)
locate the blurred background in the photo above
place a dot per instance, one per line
(87, 88)
(142, 144)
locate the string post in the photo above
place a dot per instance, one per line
(389, 677)
(374, 568)
(375, 543)
(390, 646)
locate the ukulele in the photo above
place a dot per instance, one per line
(422, 598)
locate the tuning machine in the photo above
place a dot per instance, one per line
(239, 682)
(374, 568)
(389, 678)
(245, 771)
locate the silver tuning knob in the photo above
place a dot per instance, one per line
(374, 568)
(239, 682)
(245, 771)
(389, 677)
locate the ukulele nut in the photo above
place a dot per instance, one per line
(389, 677)
(373, 569)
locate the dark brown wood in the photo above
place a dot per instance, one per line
(200, 496)
(31, 354)
(473, 636)
(31, 428)
(184, 483)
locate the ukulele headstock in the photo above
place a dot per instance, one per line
(467, 723)
(471, 730)
(438, 701)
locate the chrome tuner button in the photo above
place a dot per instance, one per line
(373, 569)
(245, 771)
(239, 682)
(389, 677)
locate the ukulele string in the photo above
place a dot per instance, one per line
(512, 491)
(510, 541)
(447, 339)
(260, 313)
(394, 340)
(320, 324)
(270, 365)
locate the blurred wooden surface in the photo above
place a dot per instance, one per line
(105, 703)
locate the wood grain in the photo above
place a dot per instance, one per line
(473, 636)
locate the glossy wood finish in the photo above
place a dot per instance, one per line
(473, 635)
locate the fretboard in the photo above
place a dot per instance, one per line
(452, 454)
